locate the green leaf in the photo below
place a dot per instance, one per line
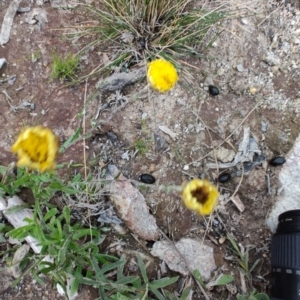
(2, 238)
(163, 282)
(62, 254)
(21, 232)
(222, 279)
(142, 269)
(234, 244)
(21, 181)
(241, 297)
(138, 283)
(70, 140)
(43, 178)
(78, 272)
(197, 275)
(67, 214)
(38, 279)
(2, 170)
(16, 208)
(102, 293)
(121, 268)
(46, 267)
(254, 265)
(52, 212)
(170, 296)
(59, 229)
(157, 294)
(74, 286)
(127, 280)
(7, 189)
(261, 296)
(95, 264)
(84, 232)
(108, 268)
(185, 293)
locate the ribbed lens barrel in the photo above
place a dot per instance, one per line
(285, 257)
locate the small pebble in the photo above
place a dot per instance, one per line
(277, 161)
(252, 90)
(222, 240)
(147, 178)
(113, 137)
(224, 177)
(244, 21)
(240, 68)
(186, 167)
(213, 90)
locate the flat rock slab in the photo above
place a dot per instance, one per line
(289, 177)
(198, 256)
(131, 206)
(120, 80)
(19, 255)
(8, 21)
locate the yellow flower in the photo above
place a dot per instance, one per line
(200, 196)
(161, 75)
(36, 148)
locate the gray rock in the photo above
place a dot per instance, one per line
(130, 206)
(244, 21)
(198, 256)
(120, 80)
(220, 72)
(208, 81)
(224, 154)
(240, 68)
(19, 255)
(2, 62)
(264, 125)
(8, 21)
(238, 85)
(271, 59)
(288, 176)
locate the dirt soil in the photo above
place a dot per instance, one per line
(255, 65)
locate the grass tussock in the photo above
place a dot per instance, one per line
(136, 30)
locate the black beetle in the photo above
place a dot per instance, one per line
(147, 178)
(224, 177)
(213, 90)
(277, 161)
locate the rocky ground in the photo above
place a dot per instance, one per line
(255, 65)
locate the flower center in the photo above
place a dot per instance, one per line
(201, 194)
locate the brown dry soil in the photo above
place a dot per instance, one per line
(238, 62)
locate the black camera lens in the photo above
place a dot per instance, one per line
(285, 257)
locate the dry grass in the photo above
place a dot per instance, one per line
(138, 30)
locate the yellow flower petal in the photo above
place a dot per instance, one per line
(200, 196)
(161, 75)
(36, 148)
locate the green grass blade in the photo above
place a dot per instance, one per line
(70, 140)
(184, 294)
(142, 269)
(158, 294)
(163, 282)
(234, 244)
(109, 267)
(127, 280)
(197, 275)
(52, 212)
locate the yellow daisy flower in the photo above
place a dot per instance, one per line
(36, 148)
(200, 196)
(161, 75)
